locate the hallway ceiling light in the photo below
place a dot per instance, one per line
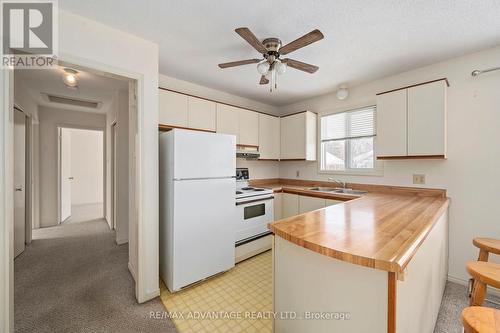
(70, 77)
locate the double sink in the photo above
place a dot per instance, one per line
(337, 190)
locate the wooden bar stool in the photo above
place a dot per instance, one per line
(484, 274)
(486, 246)
(478, 319)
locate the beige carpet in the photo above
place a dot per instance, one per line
(74, 278)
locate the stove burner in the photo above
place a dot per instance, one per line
(247, 188)
(259, 189)
(239, 192)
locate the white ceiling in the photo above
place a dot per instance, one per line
(364, 40)
(91, 87)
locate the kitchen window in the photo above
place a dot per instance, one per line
(347, 141)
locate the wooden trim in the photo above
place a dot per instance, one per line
(268, 159)
(293, 114)
(412, 157)
(415, 85)
(389, 189)
(319, 194)
(165, 127)
(391, 302)
(215, 101)
(247, 146)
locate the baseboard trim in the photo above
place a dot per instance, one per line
(132, 271)
(150, 295)
(122, 241)
(491, 291)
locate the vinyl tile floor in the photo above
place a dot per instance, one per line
(247, 289)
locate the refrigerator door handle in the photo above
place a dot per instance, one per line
(204, 178)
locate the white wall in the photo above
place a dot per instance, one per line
(50, 119)
(89, 43)
(470, 174)
(87, 166)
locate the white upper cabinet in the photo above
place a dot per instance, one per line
(227, 120)
(427, 119)
(248, 127)
(173, 108)
(411, 122)
(298, 136)
(269, 137)
(391, 124)
(201, 114)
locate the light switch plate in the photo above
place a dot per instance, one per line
(418, 179)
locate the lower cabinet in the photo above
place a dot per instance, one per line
(331, 202)
(290, 204)
(308, 204)
(287, 205)
(278, 206)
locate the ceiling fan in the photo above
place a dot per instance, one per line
(271, 50)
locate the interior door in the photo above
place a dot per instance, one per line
(19, 182)
(66, 178)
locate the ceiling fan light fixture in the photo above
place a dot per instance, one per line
(280, 67)
(263, 67)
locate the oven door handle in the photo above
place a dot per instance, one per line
(256, 200)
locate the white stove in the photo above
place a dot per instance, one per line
(255, 208)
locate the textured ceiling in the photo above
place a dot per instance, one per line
(364, 40)
(91, 87)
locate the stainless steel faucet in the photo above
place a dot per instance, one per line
(341, 183)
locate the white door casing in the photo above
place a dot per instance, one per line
(19, 182)
(65, 174)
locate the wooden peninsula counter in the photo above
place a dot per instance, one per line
(377, 263)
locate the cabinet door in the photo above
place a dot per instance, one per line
(278, 206)
(201, 114)
(173, 108)
(269, 137)
(290, 205)
(227, 120)
(391, 124)
(331, 202)
(308, 204)
(248, 127)
(426, 119)
(293, 134)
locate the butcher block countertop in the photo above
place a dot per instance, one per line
(382, 229)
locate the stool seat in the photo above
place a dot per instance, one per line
(487, 244)
(486, 272)
(478, 319)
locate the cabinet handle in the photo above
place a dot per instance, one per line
(71, 178)
(18, 189)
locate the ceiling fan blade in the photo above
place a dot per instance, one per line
(263, 80)
(239, 63)
(300, 42)
(300, 65)
(247, 35)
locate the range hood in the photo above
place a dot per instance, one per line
(248, 154)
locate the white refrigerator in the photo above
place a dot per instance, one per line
(197, 205)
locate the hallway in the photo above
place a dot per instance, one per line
(74, 278)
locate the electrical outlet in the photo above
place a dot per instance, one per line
(418, 179)
(297, 174)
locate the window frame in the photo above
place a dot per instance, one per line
(377, 169)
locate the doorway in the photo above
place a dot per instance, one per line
(81, 175)
(20, 216)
